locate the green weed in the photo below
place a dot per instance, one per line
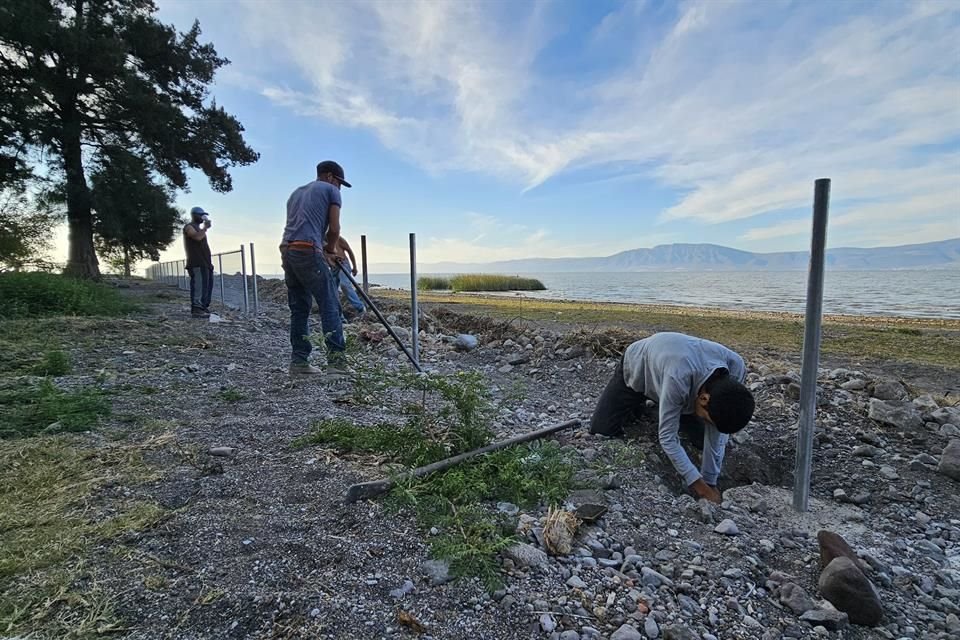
(54, 363)
(231, 395)
(406, 445)
(27, 410)
(37, 295)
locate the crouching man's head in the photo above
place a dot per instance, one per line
(725, 403)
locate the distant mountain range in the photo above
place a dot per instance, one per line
(944, 254)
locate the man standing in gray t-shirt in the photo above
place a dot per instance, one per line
(692, 380)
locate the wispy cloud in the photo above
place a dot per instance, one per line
(738, 106)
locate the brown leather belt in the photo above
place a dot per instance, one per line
(302, 243)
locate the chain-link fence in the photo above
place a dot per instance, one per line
(234, 278)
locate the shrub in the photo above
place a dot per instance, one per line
(54, 363)
(36, 295)
(484, 282)
(430, 283)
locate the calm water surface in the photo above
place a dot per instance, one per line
(919, 294)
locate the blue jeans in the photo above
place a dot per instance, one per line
(201, 287)
(308, 278)
(348, 290)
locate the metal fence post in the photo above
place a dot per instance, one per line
(223, 299)
(363, 261)
(243, 275)
(414, 309)
(811, 347)
(253, 274)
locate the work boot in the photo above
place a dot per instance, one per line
(338, 369)
(304, 369)
(197, 312)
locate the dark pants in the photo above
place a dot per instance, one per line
(308, 278)
(201, 287)
(619, 406)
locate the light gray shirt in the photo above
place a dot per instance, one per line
(670, 368)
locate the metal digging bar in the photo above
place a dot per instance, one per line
(366, 490)
(383, 321)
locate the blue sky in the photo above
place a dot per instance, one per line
(500, 130)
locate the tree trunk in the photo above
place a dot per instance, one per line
(126, 262)
(82, 261)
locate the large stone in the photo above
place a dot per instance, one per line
(654, 578)
(902, 416)
(465, 342)
(796, 599)
(833, 546)
(626, 632)
(829, 619)
(525, 555)
(728, 528)
(843, 584)
(891, 390)
(926, 404)
(679, 632)
(950, 460)
(946, 415)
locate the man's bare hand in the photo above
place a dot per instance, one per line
(355, 271)
(332, 259)
(702, 490)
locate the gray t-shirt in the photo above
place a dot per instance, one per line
(670, 368)
(308, 212)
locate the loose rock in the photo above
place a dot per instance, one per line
(950, 460)
(845, 586)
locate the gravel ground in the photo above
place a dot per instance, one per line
(260, 544)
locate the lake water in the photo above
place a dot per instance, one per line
(919, 294)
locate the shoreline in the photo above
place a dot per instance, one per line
(951, 324)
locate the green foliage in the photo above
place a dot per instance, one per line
(27, 410)
(54, 363)
(452, 501)
(432, 283)
(133, 218)
(407, 445)
(108, 76)
(483, 282)
(231, 395)
(36, 295)
(449, 415)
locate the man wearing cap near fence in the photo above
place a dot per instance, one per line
(199, 263)
(309, 256)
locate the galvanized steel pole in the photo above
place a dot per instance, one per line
(223, 300)
(414, 309)
(253, 274)
(243, 276)
(363, 262)
(811, 347)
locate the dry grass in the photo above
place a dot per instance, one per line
(52, 513)
(559, 529)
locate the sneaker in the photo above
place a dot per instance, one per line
(338, 369)
(199, 313)
(304, 369)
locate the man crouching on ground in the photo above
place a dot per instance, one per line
(698, 385)
(308, 251)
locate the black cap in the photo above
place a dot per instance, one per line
(329, 166)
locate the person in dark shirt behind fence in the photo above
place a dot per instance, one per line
(199, 263)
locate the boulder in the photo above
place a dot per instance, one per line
(796, 599)
(926, 404)
(950, 460)
(679, 632)
(833, 546)
(946, 415)
(465, 342)
(891, 390)
(626, 632)
(843, 584)
(902, 416)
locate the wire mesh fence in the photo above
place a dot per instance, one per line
(234, 278)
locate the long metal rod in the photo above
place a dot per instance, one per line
(811, 346)
(383, 321)
(414, 307)
(223, 299)
(366, 490)
(253, 273)
(243, 275)
(363, 262)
